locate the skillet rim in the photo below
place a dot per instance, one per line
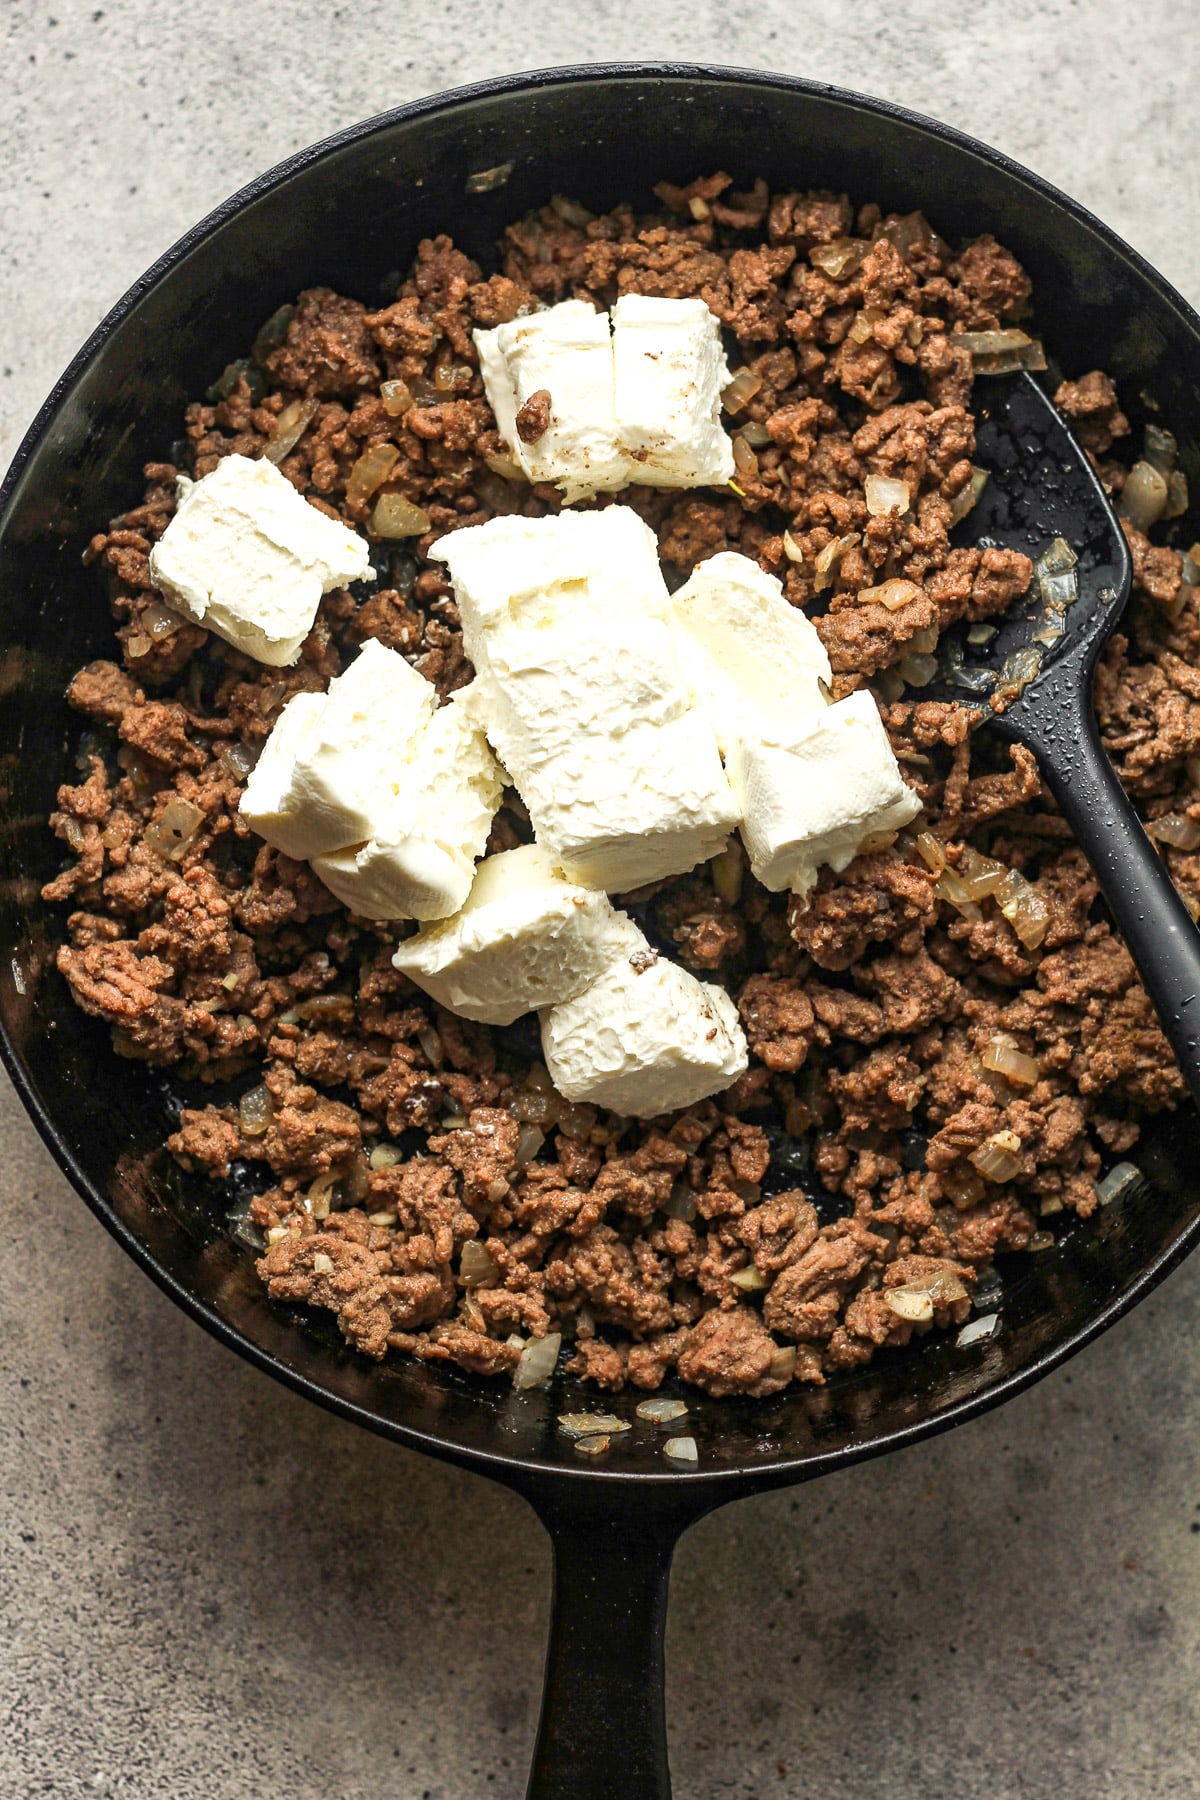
(699, 1490)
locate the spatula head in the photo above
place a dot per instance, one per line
(1040, 486)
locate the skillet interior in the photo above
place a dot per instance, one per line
(350, 215)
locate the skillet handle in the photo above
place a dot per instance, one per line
(1145, 903)
(603, 1729)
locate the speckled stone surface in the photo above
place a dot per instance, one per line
(199, 1575)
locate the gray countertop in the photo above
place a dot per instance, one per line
(209, 1588)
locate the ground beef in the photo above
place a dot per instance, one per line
(416, 1176)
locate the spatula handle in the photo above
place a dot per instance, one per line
(1145, 904)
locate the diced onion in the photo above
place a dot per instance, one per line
(1051, 626)
(537, 1360)
(1003, 1056)
(486, 181)
(158, 619)
(139, 644)
(322, 1264)
(951, 888)
(996, 1158)
(1060, 590)
(924, 641)
(254, 1112)
(1144, 497)
(535, 1106)
(290, 427)
(728, 870)
(967, 496)
(1024, 908)
(503, 465)
(1041, 1240)
(682, 1203)
(932, 851)
(827, 560)
(744, 459)
(981, 634)
(529, 1142)
(743, 387)
(576, 1121)
(319, 1197)
(863, 328)
(840, 258)
(756, 435)
(448, 377)
(917, 669)
(791, 548)
(989, 343)
(238, 760)
(1176, 829)
(1178, 498)
(475, 1266)
(396, 397)
(978, 1331)
(594, 1445)
(1000, 352)
(885, 495)
(394, 516)
(979, 681)
(1056, 559)
(571, 212)
(912, 1305)
(175, 829)
(661, 1412)
(681, 1449)
(783, 1363)
(749, 1280)
(370, 472)
(273, 332)
(1161, 449)
(1120, 1181)
(981, 875)
(893, 594)
(591, 1424)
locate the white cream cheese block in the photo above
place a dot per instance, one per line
(567, 621)
(420, 861)
(751, 658)
(669, 374)
(815, 796)
(248, 557)
(526, 938)
(330, 768)
(643, 1039)
(566, 350)
(633, 399)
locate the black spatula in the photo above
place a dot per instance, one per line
(1041, 486)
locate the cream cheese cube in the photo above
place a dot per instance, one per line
(567, 350)
(248, 557)
(567, 622)
(749, 655)
(669, 374)
(526, 938)
(633, 399)
(645, 1038)
(419, 862)
(329, 770)
(817, 795)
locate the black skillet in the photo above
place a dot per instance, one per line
(348, 212)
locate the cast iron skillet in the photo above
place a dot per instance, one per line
(349, 212)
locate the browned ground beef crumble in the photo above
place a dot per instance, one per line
(866, 1011)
